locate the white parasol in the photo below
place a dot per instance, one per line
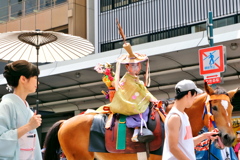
(42, 46)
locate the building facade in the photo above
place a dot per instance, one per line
(54, 15)
(152, 20)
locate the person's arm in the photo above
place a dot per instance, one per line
(174, 124)
(201, 137)
(33, 123)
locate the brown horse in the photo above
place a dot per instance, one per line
(73, 134)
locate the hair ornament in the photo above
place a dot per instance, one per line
(9, 88)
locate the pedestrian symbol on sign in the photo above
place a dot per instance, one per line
(211, 60)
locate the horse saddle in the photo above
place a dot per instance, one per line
(154, 124)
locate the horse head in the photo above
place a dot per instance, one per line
(218, 113)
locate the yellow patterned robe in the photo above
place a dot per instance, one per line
(131, 98)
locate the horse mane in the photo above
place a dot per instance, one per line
(220, 90)
(168, 104)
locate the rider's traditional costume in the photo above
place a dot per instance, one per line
(131, 97)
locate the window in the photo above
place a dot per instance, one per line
(46, 3)
(105, 5)
(159, 36)
(223, 22)
(139, 40)
(16, 10)
(178, 32)
(198, 28)
(3, 4)
(134, 1)
(60, 1)
(30, 6)
(118, 45)
(119, 3)
(3, 14)
(106, 47)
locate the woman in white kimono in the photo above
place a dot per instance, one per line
(18, 135)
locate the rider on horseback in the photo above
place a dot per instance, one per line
(132, 97)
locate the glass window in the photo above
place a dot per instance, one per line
(118, 45)
(119, 3)
(60, 1)
(164, 35)
(3, 4)
(16, 9)
(223, 22)
(154, 37)
(106, 47)
(159, 36)
(46, 4)
(105, 5)
(198, 28)
(31, 6)
(139, 40)
(3, 14)
(133, 1)
(178, 31)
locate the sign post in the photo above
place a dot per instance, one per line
(212, 63)
(210, 28)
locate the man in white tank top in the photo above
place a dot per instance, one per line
(179, 142)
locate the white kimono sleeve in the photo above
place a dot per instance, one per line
(8, 131)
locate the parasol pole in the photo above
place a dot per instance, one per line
(37, 47)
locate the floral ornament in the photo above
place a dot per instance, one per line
(98, 68)
(136, 94)
(107, 71)
(9, 88)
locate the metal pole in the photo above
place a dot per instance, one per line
(210, 29)
(37, 47)
(210, 35)
(37, 101)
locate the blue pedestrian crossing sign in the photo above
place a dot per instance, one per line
(211, 60)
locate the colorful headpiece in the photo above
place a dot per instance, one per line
(130, 57)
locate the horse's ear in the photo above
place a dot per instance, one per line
(208, 89)
(231, 93)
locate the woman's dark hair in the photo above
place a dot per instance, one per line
(180, 95)
(13, 71)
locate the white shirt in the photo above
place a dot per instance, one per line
(185, 140)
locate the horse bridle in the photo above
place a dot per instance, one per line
(210, 117)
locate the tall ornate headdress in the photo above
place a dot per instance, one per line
(130, 57)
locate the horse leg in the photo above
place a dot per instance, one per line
(74, 137)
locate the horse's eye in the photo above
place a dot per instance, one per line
(214, 108)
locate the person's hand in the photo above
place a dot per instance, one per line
(154, 101)
(35, 121)
(211, 135)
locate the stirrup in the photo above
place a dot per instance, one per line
(145, 136)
